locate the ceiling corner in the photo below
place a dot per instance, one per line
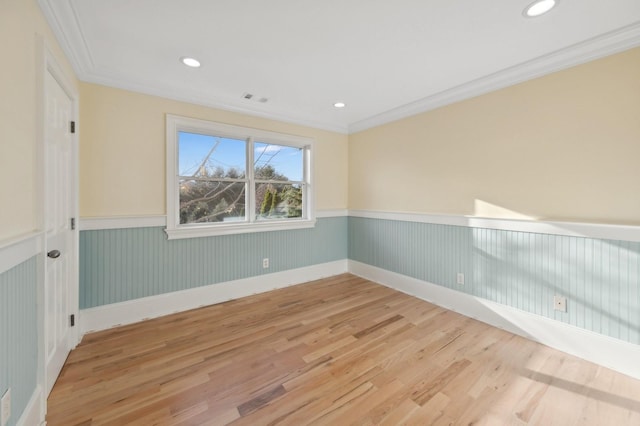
(598, 47)
(63, 21)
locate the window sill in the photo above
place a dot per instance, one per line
(230, 229)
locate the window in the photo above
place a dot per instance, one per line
(224, 179)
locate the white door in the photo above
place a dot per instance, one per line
(59, 208)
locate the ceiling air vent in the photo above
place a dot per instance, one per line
(250, 96)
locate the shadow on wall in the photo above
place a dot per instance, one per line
(524, 270)
(598, 277)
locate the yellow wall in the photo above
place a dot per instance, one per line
(20, 23)
(562, 147)
(122, 151)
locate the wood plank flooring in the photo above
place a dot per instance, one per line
(338, 351)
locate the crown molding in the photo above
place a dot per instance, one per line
(65, 25)
(209, 102)
(588, 50)
(64, 22)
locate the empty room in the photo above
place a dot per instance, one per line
(331, 213)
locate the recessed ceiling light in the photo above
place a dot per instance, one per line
(190, 62)
(539, 7)
(339, 105)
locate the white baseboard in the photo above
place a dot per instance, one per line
(107, 316)
(603, 350)
(32, 414)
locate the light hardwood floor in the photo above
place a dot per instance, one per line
(337, 351)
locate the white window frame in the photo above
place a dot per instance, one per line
(175, 230)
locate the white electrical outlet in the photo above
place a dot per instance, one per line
(265, 262)
(560, 303)
(5, 407)
(460, 278)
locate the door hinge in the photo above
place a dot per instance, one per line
(72, 320)
(73, 223)
(72, 127)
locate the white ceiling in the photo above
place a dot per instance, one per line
(385, 59)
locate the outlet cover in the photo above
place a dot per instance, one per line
(5, 407)
(560, 303)
(460, 278)
(265, 262)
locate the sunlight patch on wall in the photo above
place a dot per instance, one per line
(486, 209)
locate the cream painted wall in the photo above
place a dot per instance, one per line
(122, 151)
(562, 147)
(21, 22)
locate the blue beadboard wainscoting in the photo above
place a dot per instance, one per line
(118, 265)
(19, 334)
(511, 276)
(523, 270)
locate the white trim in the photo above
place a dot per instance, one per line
(575, 229)
(181, 123)
(331, 213)
(119, 222)
(63, 15)
(232, 229)
(71, 35)
(18, 250)
(47, 64)
(32, 414)
(588, 50)
(176, 230)
(196, 98)
(603, 350)
(122, 222)
(572, 229)
(107, 316)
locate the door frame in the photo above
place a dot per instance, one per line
(47, 64)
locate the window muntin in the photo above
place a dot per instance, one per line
(224, 179)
